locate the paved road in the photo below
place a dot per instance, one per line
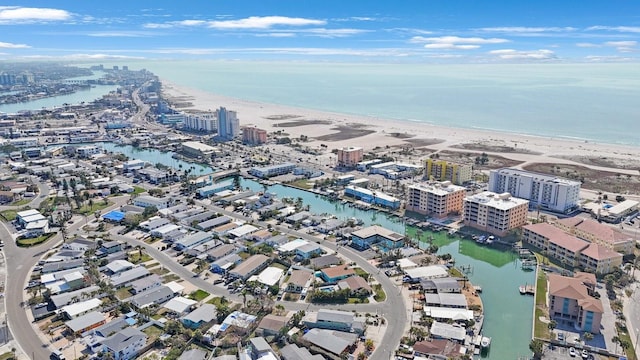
(43, 189)
(631, 311)
(393, 309)
(20, 261)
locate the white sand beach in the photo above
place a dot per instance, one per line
(338, 130)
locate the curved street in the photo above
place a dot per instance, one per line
(20, 261)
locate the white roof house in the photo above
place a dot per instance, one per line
(270, 276)
(179, 304)
(242, 230)
(427, 272)
(80, 308)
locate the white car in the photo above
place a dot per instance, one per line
(572, 352)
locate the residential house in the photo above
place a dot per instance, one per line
(200, 316)
(293, 352)
(335, 320)
(125, 344)
(357, 286)
(336, 273)
(154, 296)
(334, 342)
(299, 280)
(193, 354)
(86, 322)
(251, 266)
(271, 325)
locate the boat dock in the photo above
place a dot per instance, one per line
(527, 289)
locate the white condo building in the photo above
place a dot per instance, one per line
(551, 193)
(201, 122)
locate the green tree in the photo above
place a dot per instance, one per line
(536, 346)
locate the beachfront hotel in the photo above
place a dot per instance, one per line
(201, 122)
(437, 199)
(495, 213)
(253, 136)
(442, 170)
(570, 301)
(570, 250)
(549, 192)
(228, 124)
(595, 232)
(350, 156)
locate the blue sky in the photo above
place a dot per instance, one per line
(367, 30)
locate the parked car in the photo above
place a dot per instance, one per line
(585, 354)
(572, 352)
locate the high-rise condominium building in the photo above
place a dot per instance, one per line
(228, 124)
(549, 192)
(436, 199)
(495, 213)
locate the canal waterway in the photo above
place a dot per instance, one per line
(508, 315)
(86, 95)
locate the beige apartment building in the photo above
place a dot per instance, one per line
(495, 213)
(570, 250)
(350, 156)
(436, 199)
(598, 233)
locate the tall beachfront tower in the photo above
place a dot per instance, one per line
(228, 124)
(549, 192)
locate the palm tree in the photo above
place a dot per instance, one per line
(536, 346)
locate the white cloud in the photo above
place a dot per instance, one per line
(526, 31)
(133, 34)
(263, 22)
(587, 45)
(158, 25)
(276, 34)
(17, 15)
(190, 22)
(6, 45)
(171, 24)
(450, 46)
(621, 43)
(455, 42)
(627, 29)
(333, 33)
(613, 58)
(511, 54)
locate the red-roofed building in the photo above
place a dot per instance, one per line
(336, 273)
(600, 259)
(596, 232)
(439, 348)
(569, 300)
(570, 250)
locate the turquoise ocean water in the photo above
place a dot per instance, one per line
(593, 102)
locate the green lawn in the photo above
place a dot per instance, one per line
(153, 332)
(541, 330)
(85, 209)
(151, 264)
(360, 272)
(358, 301)
(34, 241)
(159, 271)
(302, 184)
(380, 294)
(138, 190)
(135, 258)
(123, 293)
(625, 337)
(7, 356)
(170, 278)
(218, 301)
(9, 215)
(198, 295)
(21, 202)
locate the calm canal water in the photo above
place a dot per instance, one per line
(508, 315)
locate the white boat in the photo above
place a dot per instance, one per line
(485, 342)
